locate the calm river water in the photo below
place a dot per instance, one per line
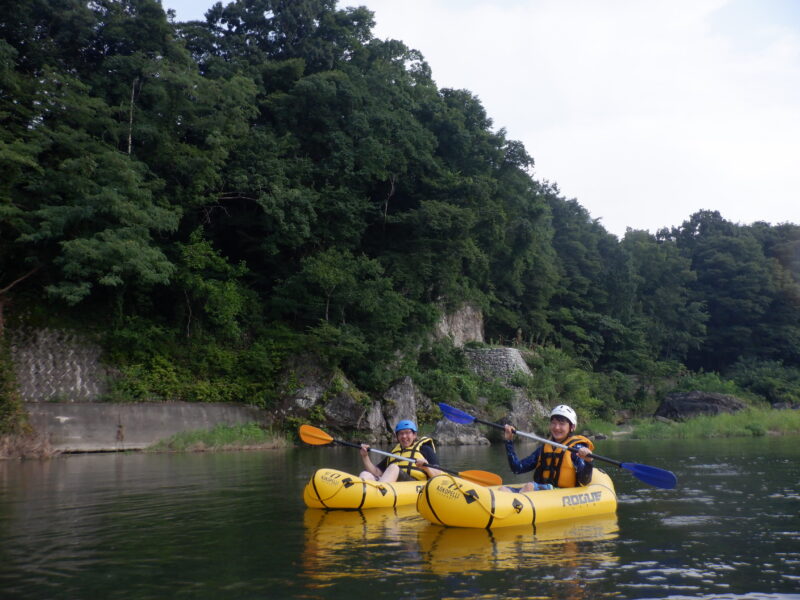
(233, 526)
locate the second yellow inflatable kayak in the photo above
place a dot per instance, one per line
(329, 488)
(455, 502)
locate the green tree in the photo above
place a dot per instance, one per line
(592, 308)
(212, 288)
(734, 283)
(673, 324)
(84, 210)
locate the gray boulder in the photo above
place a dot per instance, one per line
(345, 411)
(315, 392)
(679, 406)
(304, 382)
(523, 416)
(501, 364)
(404, 400)
(448, 433)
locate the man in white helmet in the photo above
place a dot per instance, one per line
(553, 466)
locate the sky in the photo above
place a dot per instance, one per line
(644, 111)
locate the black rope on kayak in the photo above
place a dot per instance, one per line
(349, 481)
(316, 491)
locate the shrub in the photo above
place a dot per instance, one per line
(12, 413)
(709, 382)
(559, 378)
(448, 387)
(769, 379)
(221, 437)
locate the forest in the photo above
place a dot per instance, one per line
(211, 198)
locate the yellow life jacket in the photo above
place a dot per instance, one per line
(555, 464)
(413, 451)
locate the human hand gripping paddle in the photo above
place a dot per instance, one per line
(317, 437)
(651, 475)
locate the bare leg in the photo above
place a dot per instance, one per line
(367, 476)
(391, 473)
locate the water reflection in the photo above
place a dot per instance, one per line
(382, 537)
(457, 550)
(374, 544)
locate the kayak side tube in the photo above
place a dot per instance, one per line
(455, 502)
(333, 489)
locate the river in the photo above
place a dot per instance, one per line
(233, 526)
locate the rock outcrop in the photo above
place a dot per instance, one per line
(404, 400)
(524, 413)
(461, 326)
(497, 363)
(329, 398)
(679, 406)
(448, 433)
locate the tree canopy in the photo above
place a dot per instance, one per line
(274, 175)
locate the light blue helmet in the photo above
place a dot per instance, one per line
(405, 424)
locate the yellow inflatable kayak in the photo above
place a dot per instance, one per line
(455, 502)
(329, 488)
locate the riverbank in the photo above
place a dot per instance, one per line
(748, 423)
(752, 422)
(248, 436)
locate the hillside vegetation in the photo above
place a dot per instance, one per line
(211, 198)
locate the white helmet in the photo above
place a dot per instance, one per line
(565, 411)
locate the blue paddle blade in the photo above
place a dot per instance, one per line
(652, 475)
(455, 415)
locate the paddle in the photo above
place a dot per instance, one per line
(317, 437)
(651, 475)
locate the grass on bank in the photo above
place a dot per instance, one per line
(751, 422)
(248, 436)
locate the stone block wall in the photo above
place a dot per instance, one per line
(55, 365)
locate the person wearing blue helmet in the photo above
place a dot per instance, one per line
(421, 451)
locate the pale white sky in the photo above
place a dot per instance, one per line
(645, 111)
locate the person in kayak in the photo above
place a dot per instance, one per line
(553, 466)
(408, 444)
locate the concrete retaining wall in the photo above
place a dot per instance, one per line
(61, 365)
(92, 427)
